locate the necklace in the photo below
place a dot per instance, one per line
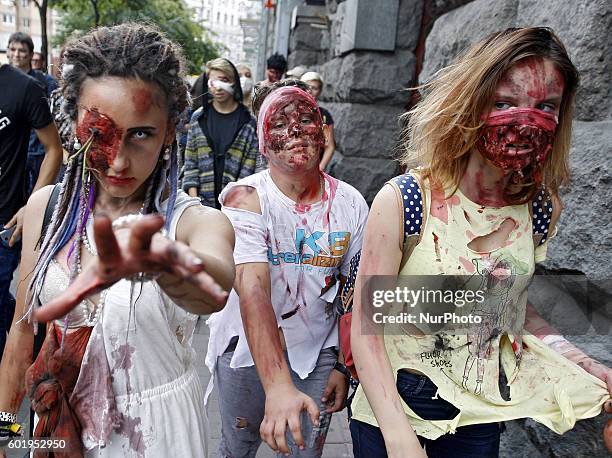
(92, 315)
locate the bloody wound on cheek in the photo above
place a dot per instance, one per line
(106, 138)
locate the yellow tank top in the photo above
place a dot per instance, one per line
(465, 366)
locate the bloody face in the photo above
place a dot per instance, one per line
(513, 139)
(292, 128)
(106, 139)
(126, 122)
(273, 75)
(519, 128)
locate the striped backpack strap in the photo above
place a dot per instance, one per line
(541, 212)
(345, 303)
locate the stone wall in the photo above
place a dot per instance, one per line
(364, 91)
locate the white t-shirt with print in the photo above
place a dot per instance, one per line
(306, 248)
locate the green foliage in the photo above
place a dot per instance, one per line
(172, 16)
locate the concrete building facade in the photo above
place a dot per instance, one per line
(231, 23)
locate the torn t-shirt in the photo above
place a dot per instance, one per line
(306, 247)
(465, 362)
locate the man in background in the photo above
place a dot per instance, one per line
(276, 66)
(222, 141)
(20, 52)
(23, 106)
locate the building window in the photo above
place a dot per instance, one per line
(225, 18)
(26, 22)
(218, 17)
(25, 3)
(8, 18)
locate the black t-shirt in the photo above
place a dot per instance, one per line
(222, 129)
(327, 117)
(23, 106)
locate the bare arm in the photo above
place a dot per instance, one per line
(140, 247)
(381, 255)
(50, 140)
(330, 147)
(209, 234)
(18, 351)
(284, 402)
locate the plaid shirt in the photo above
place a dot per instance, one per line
(61, 119)
(241, 159)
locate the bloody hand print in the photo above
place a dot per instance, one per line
(106, 138)
(515, 138)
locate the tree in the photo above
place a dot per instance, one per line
(42, 5)
(171, 16)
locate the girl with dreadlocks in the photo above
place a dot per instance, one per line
(124, 285)
(492, 134)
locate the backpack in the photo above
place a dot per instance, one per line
(413, 202)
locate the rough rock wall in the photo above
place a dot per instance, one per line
(364, 91)
(584, 241)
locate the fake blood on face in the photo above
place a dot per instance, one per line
(106, 138)
(513, 139)
(294, 128)
(142, 100)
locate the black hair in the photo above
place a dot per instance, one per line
(129, 50)
(277, 62)
(24, 38)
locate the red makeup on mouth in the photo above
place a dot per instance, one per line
(120, 181)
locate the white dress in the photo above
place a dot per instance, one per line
(138, 393)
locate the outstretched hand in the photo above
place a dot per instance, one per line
(125, 253)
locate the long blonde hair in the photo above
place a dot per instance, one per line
(443, 127)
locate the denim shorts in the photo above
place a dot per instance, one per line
(417, 391)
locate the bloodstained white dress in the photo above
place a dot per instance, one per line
(138, 393)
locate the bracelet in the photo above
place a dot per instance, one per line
(8, 416)
(342, 369)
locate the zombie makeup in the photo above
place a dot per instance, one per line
(518, 137)
(217, 84)
(103, 135)
(287, 116)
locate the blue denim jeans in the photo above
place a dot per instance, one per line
(9, 259)
(242, 403)
(417, 391)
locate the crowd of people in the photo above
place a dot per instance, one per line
(154, 202)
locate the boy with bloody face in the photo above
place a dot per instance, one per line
(273, 350)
